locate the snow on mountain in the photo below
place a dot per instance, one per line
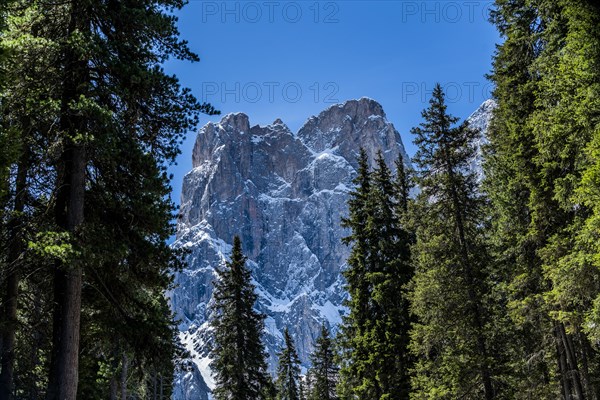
(480, 120)
(284, 194)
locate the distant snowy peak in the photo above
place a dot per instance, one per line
(344, 126)
(285, 195)
(337, 129)
(480, 120)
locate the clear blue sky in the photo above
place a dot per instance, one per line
(292, 59)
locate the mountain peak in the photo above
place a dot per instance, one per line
(355, 108)
(236, 121)
(481, 117)
(285, 196)
(343, 126)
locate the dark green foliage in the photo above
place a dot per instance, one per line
(91, 121)
(547, 87)
(453, 339)
(288, 370)
(374, 336)
(239, 359)
(324, 371)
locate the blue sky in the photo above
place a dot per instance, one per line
(292, 59)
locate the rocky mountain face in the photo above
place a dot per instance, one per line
(284, 194)
(480, 120)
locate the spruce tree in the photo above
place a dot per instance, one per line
(374, 336)
(324, 371)
(24, 140)
(546, 78)
(238, 354)
(451, 339)
(100, 122)
(354, 324)
(563, 123)
(288, 370)
(510, 178)
(389, 274)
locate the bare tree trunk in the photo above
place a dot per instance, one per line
(8, 336)
(64, 372)
(161, 387)
(571, 361)
(124, 367)
(587, 351)
(562, 366)
(113, 388)
(154, 390)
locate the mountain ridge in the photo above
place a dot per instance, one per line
(284, 194)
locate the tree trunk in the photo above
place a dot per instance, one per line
(124, 367)
(64, 369)
(562, 367)
(113, 388)
(15, 250)
(161, 388)
(587, 351)
(64, 364)
(155, 389)
(8, 335)
(573, 372)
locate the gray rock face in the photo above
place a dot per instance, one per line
(480, 119)
(284, 194)
(189, 384)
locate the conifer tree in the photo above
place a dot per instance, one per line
(355, 323)
(451, 338)
(546, 77)
(99, 121)
(324, 371)
(24, 141)
(309, 383)
(238, 354)
(374, 336)
(288, 370)
(564, 123)
(510, 179)
(391, 272)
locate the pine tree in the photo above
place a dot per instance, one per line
(100, 122)
(324, 371)
(389, 274)
(355, 323)
(288, 370)
(24, 143)
(238, 354)
(451, 339)
(374, 336)
(546, 75)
